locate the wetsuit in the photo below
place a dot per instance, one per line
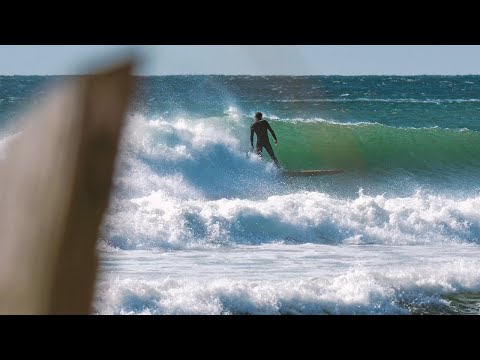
(260, 129)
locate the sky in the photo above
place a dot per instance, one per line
(245, 59)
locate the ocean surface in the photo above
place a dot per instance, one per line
(200, 225)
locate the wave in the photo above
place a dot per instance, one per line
(372, 147)
(188, 183)
(169, 220)
(356, 291)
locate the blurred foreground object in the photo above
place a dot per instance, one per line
(54, 189)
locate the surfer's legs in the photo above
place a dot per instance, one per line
(259, 150)
(269, 149)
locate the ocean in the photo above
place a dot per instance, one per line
(198, 224)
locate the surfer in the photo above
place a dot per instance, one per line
(260, 127)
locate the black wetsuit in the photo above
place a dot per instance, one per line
(260, 129)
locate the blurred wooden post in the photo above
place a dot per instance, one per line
(54, 189)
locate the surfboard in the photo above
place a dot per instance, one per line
(311, 172)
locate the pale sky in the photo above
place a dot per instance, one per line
(246, 59)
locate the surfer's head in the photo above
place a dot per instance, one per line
(258, 116)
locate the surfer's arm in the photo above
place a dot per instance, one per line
(251, 136)
(271, 131)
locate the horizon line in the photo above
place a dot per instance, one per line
(277, 75)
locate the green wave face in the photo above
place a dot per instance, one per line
(374, 147)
